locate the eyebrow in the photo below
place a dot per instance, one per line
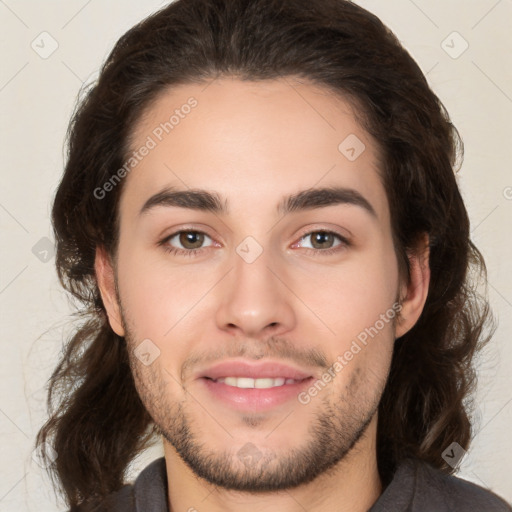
(309, 199)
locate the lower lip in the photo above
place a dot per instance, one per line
(255, 399)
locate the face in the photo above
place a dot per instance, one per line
(256, 281)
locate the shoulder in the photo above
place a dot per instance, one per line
(459, 493)
(149, 490)
(422, 487)
(122, 500)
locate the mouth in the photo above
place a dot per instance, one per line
(245, 369)
(246, 385)
(253, 395)
(261, 383)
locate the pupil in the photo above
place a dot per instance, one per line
(321, 237)
(188, 238)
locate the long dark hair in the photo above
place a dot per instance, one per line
(97, 422)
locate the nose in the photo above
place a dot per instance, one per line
(255, 299)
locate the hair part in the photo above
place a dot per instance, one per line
(97, 422)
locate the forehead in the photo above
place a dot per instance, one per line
(253, 142)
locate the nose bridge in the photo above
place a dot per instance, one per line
(253, 298)
(251, 266)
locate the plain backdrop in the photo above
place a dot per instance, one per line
(463, 46)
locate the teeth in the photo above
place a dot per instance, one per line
(246, 382)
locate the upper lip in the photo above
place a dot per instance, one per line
(253, 370)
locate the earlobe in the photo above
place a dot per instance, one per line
(415, 292)
(105, 278)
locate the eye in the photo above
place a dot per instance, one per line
(322, 240)
(190, 240)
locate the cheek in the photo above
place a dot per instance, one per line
(147, 293)
(162, 302)
(352, 296)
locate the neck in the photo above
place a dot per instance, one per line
(353, 484)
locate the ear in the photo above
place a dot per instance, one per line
(414, 294)
(105, 278)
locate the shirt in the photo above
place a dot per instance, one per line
(415, 487)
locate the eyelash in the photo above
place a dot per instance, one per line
(196, 252)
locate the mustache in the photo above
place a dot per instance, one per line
(273, 347)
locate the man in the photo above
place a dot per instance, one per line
(260, 214)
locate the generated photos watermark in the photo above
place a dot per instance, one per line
(356, 346)
(151, 142)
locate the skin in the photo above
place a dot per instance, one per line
(254, 143)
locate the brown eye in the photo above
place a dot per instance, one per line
(191, 239)
(323, 242)
(322, 239)
(185, 242)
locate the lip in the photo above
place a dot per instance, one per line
(253, 399)
(255, 370)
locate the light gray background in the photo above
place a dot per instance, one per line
(37, 96)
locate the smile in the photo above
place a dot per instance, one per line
(247, 382)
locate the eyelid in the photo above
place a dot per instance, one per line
(327, 227)
(342, 233)
(186, 229)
